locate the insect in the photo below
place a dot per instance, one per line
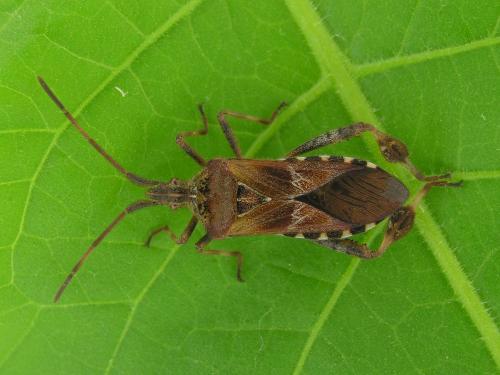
(324, 199)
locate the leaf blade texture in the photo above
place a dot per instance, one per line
(133, 74)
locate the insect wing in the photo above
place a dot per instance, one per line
(284, 217)
(290, 177)
(359, 197)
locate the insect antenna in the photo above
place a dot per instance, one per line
(132, 177)
(133, 207)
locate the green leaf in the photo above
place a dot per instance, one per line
(132, 73)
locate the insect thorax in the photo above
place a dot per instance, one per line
(215, 202)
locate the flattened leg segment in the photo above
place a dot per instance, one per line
(349, 247)
(391, 148)
(332, 137)
(400, 223)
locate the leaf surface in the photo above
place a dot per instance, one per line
(133, 73)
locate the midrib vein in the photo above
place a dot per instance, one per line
(335, 65)
(328, 67)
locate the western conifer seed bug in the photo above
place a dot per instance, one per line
(324, 199)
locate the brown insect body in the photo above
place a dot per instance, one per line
(321, 198)
(327, 196)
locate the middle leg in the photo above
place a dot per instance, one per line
(180, 139)
(228, 132)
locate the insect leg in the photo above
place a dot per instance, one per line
(131, 176)
(180, 139)
(332, 137)
(391, 148)
(400, 223)
(133, 207)
(184, 236)
(203, 242)
(350, 247)
(228, 132)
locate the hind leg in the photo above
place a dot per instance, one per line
(391, 148)
(400, 223)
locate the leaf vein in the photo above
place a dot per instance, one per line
(325, 313)
(136, 303)
(18, 344)
(336, 65)
(477, 175)
(183, 12)
(304, 100)
(399, 61)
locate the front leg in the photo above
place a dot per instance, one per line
(391, 148)
(184, 236)
(203, 242)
